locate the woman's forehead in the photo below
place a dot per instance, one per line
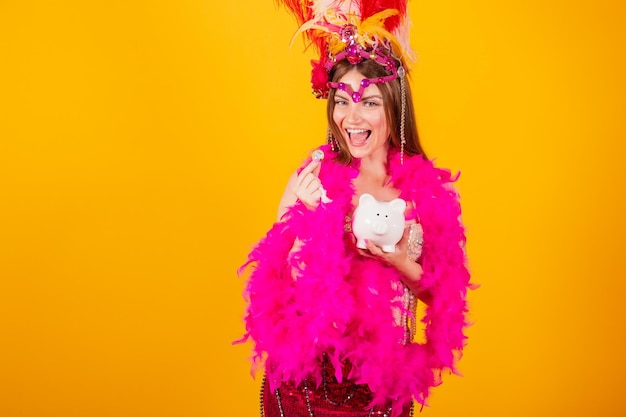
(357, 82)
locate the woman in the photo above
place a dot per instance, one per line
(363, 131)
(334, 325)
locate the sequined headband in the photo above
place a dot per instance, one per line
(354, 53)
(354, 30)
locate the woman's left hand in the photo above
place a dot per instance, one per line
(395, 258)
(399, 259)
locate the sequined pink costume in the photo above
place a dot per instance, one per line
(336, 321)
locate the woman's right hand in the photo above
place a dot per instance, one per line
(307, 186)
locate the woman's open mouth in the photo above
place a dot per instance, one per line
(358, 137)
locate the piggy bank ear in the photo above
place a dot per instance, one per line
(366, 199)
(398, 204)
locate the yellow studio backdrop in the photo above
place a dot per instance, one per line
(144, 146)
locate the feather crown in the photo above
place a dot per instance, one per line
(354, 30)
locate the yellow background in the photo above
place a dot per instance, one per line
(144, 146)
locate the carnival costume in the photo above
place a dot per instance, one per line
(325, 319)
(340, 305)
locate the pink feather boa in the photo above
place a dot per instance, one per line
(341, 304)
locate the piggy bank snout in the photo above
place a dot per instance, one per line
(380, 227)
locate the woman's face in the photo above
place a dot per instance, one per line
(363, 125)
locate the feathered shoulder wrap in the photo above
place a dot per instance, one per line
(341, 304)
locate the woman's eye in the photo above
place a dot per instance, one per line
(340, 102)
(371, 104)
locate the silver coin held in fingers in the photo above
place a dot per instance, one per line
(317, 155)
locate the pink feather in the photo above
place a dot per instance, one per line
(328, 309)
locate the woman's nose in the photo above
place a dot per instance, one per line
(353, 113)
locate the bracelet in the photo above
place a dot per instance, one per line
(415, 242)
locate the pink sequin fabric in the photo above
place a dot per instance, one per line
(330, 399)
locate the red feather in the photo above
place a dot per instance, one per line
(300, 8)
(371, 7)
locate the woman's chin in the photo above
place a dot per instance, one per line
(358, 152)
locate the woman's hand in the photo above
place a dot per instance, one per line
(308, 187)
(410, 270)
(398, 259)
(305, 187)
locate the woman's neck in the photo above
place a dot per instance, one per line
(373, 169)
(374, 178)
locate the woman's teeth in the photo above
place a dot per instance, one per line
(358, 136)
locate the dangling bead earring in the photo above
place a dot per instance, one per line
(401, 74)
(331, 141)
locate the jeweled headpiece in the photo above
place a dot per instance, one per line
(354, 30)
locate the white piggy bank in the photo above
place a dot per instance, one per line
(378, 221)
